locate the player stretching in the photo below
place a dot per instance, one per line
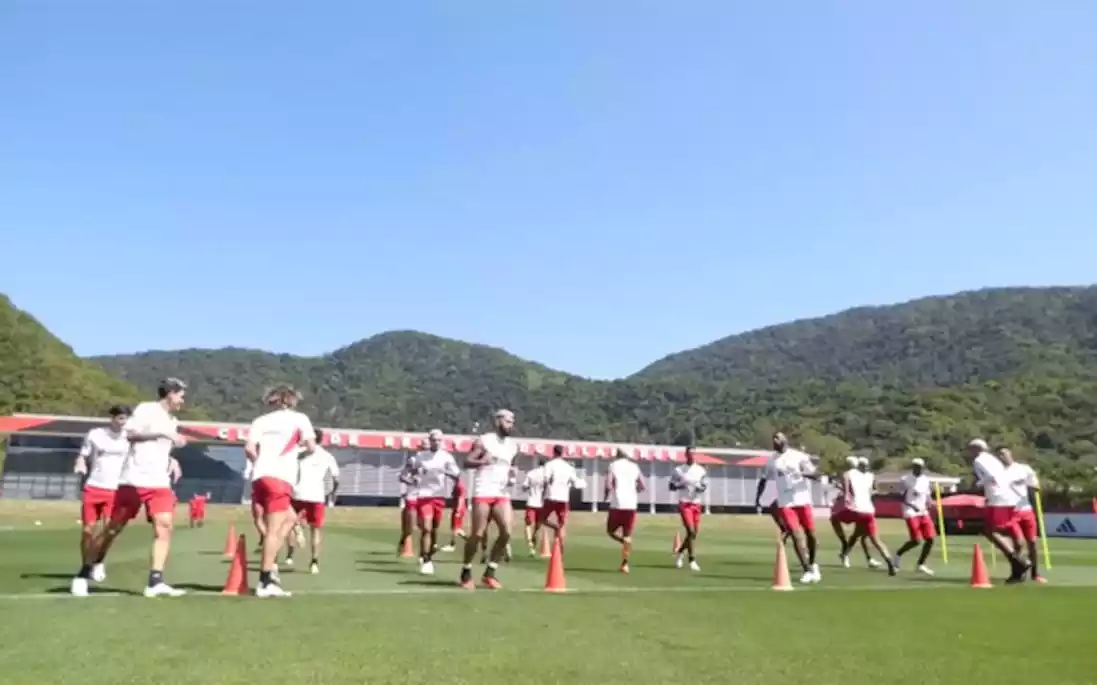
(624, 483)
(560, 478)
(491, 458)
(275, 440)
(436, 468)
(840, 514)
(1000, 512)
(100, 460)
(410, 480)
(310, 495)
(861, 511)
(1022, 478)
(916, 490)
(689, 480)
(460, 506)
(793, 471)
(534, 486)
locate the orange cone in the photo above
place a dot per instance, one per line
(979, 577)
(781, 580)
(237, 582)
(406, 550)
(230, 542)
(554, 579)
(677, 543)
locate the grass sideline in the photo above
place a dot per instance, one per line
(369, 618)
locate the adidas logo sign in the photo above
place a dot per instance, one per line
(1066, 527)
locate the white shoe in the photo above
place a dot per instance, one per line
(79, 587)
(895, 561)
(845, 560)
(872, 563)
(816, 573)
(808, 578)
(679, 562)
(449, 548)
(427, 569)
(926, 570)
(314, 568)
(694, 566)
(271, 590)
(163, 590)
(274, 575)
(99, 573)
(289, 562)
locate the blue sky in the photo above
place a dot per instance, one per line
(591, 185)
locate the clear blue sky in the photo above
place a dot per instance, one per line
(588, 184)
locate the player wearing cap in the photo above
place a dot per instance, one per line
(916, 490)
(1022, 479)
(534, 487)
(458, 510)
(100, 462)
(793, 471)
(624, 483)
(436, 471)
(1000, 512)
(491, 459)
(560, 479)
(275, 441)
(310, 495)
(861, 511)
(689, 480)
(841, 515)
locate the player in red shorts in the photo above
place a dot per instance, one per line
(491, 458)
(689, 480)
(624, 483)
(435, 469)
(1022, 479)
(459, 508)
(861, 511)
(840, 516)
(560, 478)
(792, 471)
(198, 509)
(310, 494)
(101, 459)
(1000, 512)
(275, 441)
(917, 490)
(534, 487)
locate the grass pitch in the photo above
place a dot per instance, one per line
(370, 618)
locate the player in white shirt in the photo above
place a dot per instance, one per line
(917, 491)
(491, 460)
(689, 480)
(145, 480)
(275, 442)
(1000, 511)
(436, 471)
(409, 501)
(100, 462)
(624, 483)
(859, 488)
(1022, 479)
(560, 479)
(534, 487)
(793, 472)
(840, 515)
(311, 496)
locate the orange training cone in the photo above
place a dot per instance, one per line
(677, 543)
(781, 581)
(230, 542)
(406, 550)
(237, 582)
(979, 577)
(554, 579)
(545, 551)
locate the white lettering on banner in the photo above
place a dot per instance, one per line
(1071, 525)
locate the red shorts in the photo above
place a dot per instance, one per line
(272, 494)
(921, 528)
(866, 523)
(312, 512)
(129, 499)
(624, 519)
(1026, 522)
(836, 511)
(797, 517)
(97, 504)
(558, 508)
(531, 515)
(430, 508)
(691, 514)
(490, 501)
(1000, 520)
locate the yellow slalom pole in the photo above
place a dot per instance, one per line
(941, 523)
(1043, 531)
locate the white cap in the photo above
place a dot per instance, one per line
(435, 433)
(979, 443)
(863, 461)
(851, 460)
(918, 461)
(504, 414)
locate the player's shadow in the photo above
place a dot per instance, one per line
(430, 582)
(390, 571)
(210, 553)
(385, 562)
(199, 587)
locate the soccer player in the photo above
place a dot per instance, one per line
(100, 460)
(275, 440)
(560, 478)
(410, 480)
(436, 469)
(861, 511)
(152, 432)
(198, 509)
(624, 483)
(310, 495)
(689, 480)
(840, 515)
(460, 509)
(534, 486)
(793, 471)
(916, 490)
(491, 458)
(1022, 479)
(1000, 513)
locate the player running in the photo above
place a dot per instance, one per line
(275, 440)
(1022, 479)
(491, 458)
(840, 515)
(916, 490)
(793, 471)
(689, 480)
(458, 510)
(861, 511)
(1000, 513)
(534, 487)
(310, 495)
(560, 479)
(197, 509)
(624, 483)
(436, 470)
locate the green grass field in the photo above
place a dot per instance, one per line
(370, 618)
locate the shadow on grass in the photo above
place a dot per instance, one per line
(431, 582)
(98, 590)
(199, 587)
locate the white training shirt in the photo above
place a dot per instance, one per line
(991, 475)
(105, 453)
(788, 470)
(493, 479)
(147, 463)
(278, 435)
(560, 478)
(1021, 477)
(860, 495)
(312, 475)
(624, 484)
(692, 481)
(436, 470)
(534, 485)
(917, 491)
